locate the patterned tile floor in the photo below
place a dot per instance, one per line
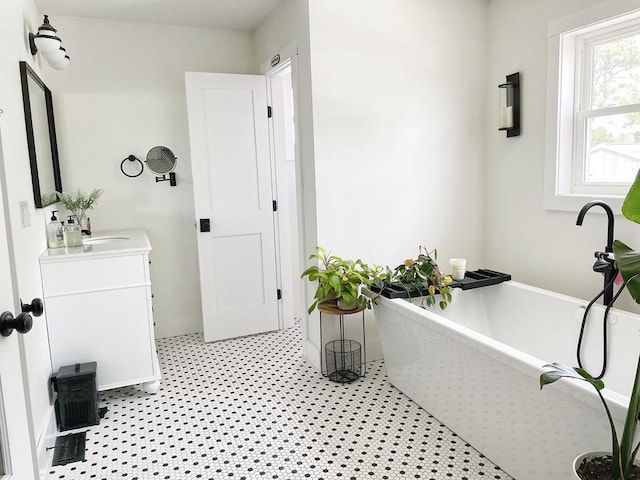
(253, 408)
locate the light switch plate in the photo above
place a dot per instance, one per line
(25, 214)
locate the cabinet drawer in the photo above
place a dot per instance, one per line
(92, 274)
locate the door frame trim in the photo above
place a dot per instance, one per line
(288, 57)
(287, 53)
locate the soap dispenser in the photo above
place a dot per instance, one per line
(72, 234)
(55, 238)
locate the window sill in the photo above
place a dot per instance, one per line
(573, 203)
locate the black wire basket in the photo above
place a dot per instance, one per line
(343, 359)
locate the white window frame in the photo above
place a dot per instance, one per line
(565, 134)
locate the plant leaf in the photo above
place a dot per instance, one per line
(309, 271)
(559, 370)
(631, 422)
(631, 204)
(312, 307)
(334, 281)
(628, 262)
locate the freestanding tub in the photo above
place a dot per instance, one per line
(476, 367)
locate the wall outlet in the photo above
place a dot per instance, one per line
(25, 214)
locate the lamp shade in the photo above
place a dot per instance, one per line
(60, 64)
(505, 106)
(509, 105)
(55, 55)
(46, 43)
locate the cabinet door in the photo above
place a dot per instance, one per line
(109, 327)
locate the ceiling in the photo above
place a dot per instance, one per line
(243, 15)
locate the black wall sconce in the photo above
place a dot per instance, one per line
(49, 45)
(509, 105)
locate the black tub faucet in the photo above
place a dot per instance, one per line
(604, 262)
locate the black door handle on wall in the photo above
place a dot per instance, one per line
(205, 225)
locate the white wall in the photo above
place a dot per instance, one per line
(539, 247)
(16, 20)
(398, 128)
(122, 94)
(398, 106)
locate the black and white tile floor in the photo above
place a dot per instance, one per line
(253, 408)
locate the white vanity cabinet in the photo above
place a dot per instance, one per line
(98, 307)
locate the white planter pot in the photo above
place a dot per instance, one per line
(578, 460)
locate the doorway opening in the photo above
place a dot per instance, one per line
(285, 158)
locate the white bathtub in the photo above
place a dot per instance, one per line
(476, 367)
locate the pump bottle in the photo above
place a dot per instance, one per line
(72, 234)
(54, 232)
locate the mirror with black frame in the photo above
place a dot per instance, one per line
(41, 137)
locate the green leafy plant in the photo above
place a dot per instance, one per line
(628, 262)
(78, 202)
(344, 279)
(623, 451)
(341, 279)
(423, 275)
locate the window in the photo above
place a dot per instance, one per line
(607, 130)
(593, 110)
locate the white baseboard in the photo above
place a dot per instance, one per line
(374, 351)
(175, 330)
(312, 354)
(167, 331)
(46, 442)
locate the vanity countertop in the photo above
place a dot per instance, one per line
(104, 243)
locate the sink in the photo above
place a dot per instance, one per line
(105, 239)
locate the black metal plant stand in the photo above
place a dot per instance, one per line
(341, 360)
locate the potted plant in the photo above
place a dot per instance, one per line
(421, 277)
(78, 203)
(620, 463)
(341, 280)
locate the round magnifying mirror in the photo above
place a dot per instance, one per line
(162, 162)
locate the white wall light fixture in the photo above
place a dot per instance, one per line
(49, 45)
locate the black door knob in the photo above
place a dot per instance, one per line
(22, 323)
(36, 307)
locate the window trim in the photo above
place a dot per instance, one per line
(560, 121)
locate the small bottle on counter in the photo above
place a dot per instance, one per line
(55, 238)
(72, 234)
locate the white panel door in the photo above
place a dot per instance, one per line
(231, 165)
(17, 450)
